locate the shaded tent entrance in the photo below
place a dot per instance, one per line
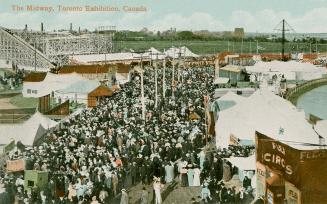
(95, 96)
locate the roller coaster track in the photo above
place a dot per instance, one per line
(15, 50)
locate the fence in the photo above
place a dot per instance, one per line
(294, 93)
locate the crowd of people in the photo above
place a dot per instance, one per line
(101, 152)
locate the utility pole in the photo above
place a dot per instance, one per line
(250, 47)
(156, 81)
(242, 47)
(142, 90)
(283, 40)
(316, 46)
(179, 64)
(283, 26)
(257, 48)
(141, 72)
(173, 75)
(164, 78)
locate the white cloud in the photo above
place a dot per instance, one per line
(195, 21)
(261, 21)
(312, 21)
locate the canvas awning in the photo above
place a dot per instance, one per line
(221, 80)
(243, 163)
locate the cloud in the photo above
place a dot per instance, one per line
(311, 21)
(262, 20)
(195, 21)
(266, 20)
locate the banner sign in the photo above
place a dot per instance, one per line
(15, 165)
(278, 156)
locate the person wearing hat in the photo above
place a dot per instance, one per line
(94, 200)
(124, 197)
(157, 186)
(169, 172)
(190, 175)
(114, 180)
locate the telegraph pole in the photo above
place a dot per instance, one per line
(283, 40)
(173, 75)
(179, 64)
(156, 81)
(142, 90)
(283, 26)
(164, 78)
(250, 47)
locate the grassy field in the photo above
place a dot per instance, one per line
(21, 102)
(211, 47)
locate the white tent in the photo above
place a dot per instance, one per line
(51, 83)
(77, 91)
(266, 113)
(180, 52)
(26, 132)
(292, 70)
(154, 54)
(243, 163)
(246, 166)
(321, 128)
(229, 100)
(96, 58)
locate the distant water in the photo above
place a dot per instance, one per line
(314, 102)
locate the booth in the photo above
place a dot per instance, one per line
(34, 178)
(290, 172)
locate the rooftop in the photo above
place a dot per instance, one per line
(231, 68)
(94, 69)
(35, 77)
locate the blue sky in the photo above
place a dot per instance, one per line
(214, 15)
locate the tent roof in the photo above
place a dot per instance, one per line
(266, 113)
(289, 68)
(89, 69)
(101, 91)
(35, 77)
(321, 128)
(80, 87)
(181, 51)
(27, 131)
(105, 57)
(231, 68)
(228, 100)
(54, 82)
(221, 80)
(244, 163)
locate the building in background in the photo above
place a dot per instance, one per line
(233, 72)
(239, 32)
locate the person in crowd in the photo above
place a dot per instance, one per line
(124, 197)
(157, 186)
